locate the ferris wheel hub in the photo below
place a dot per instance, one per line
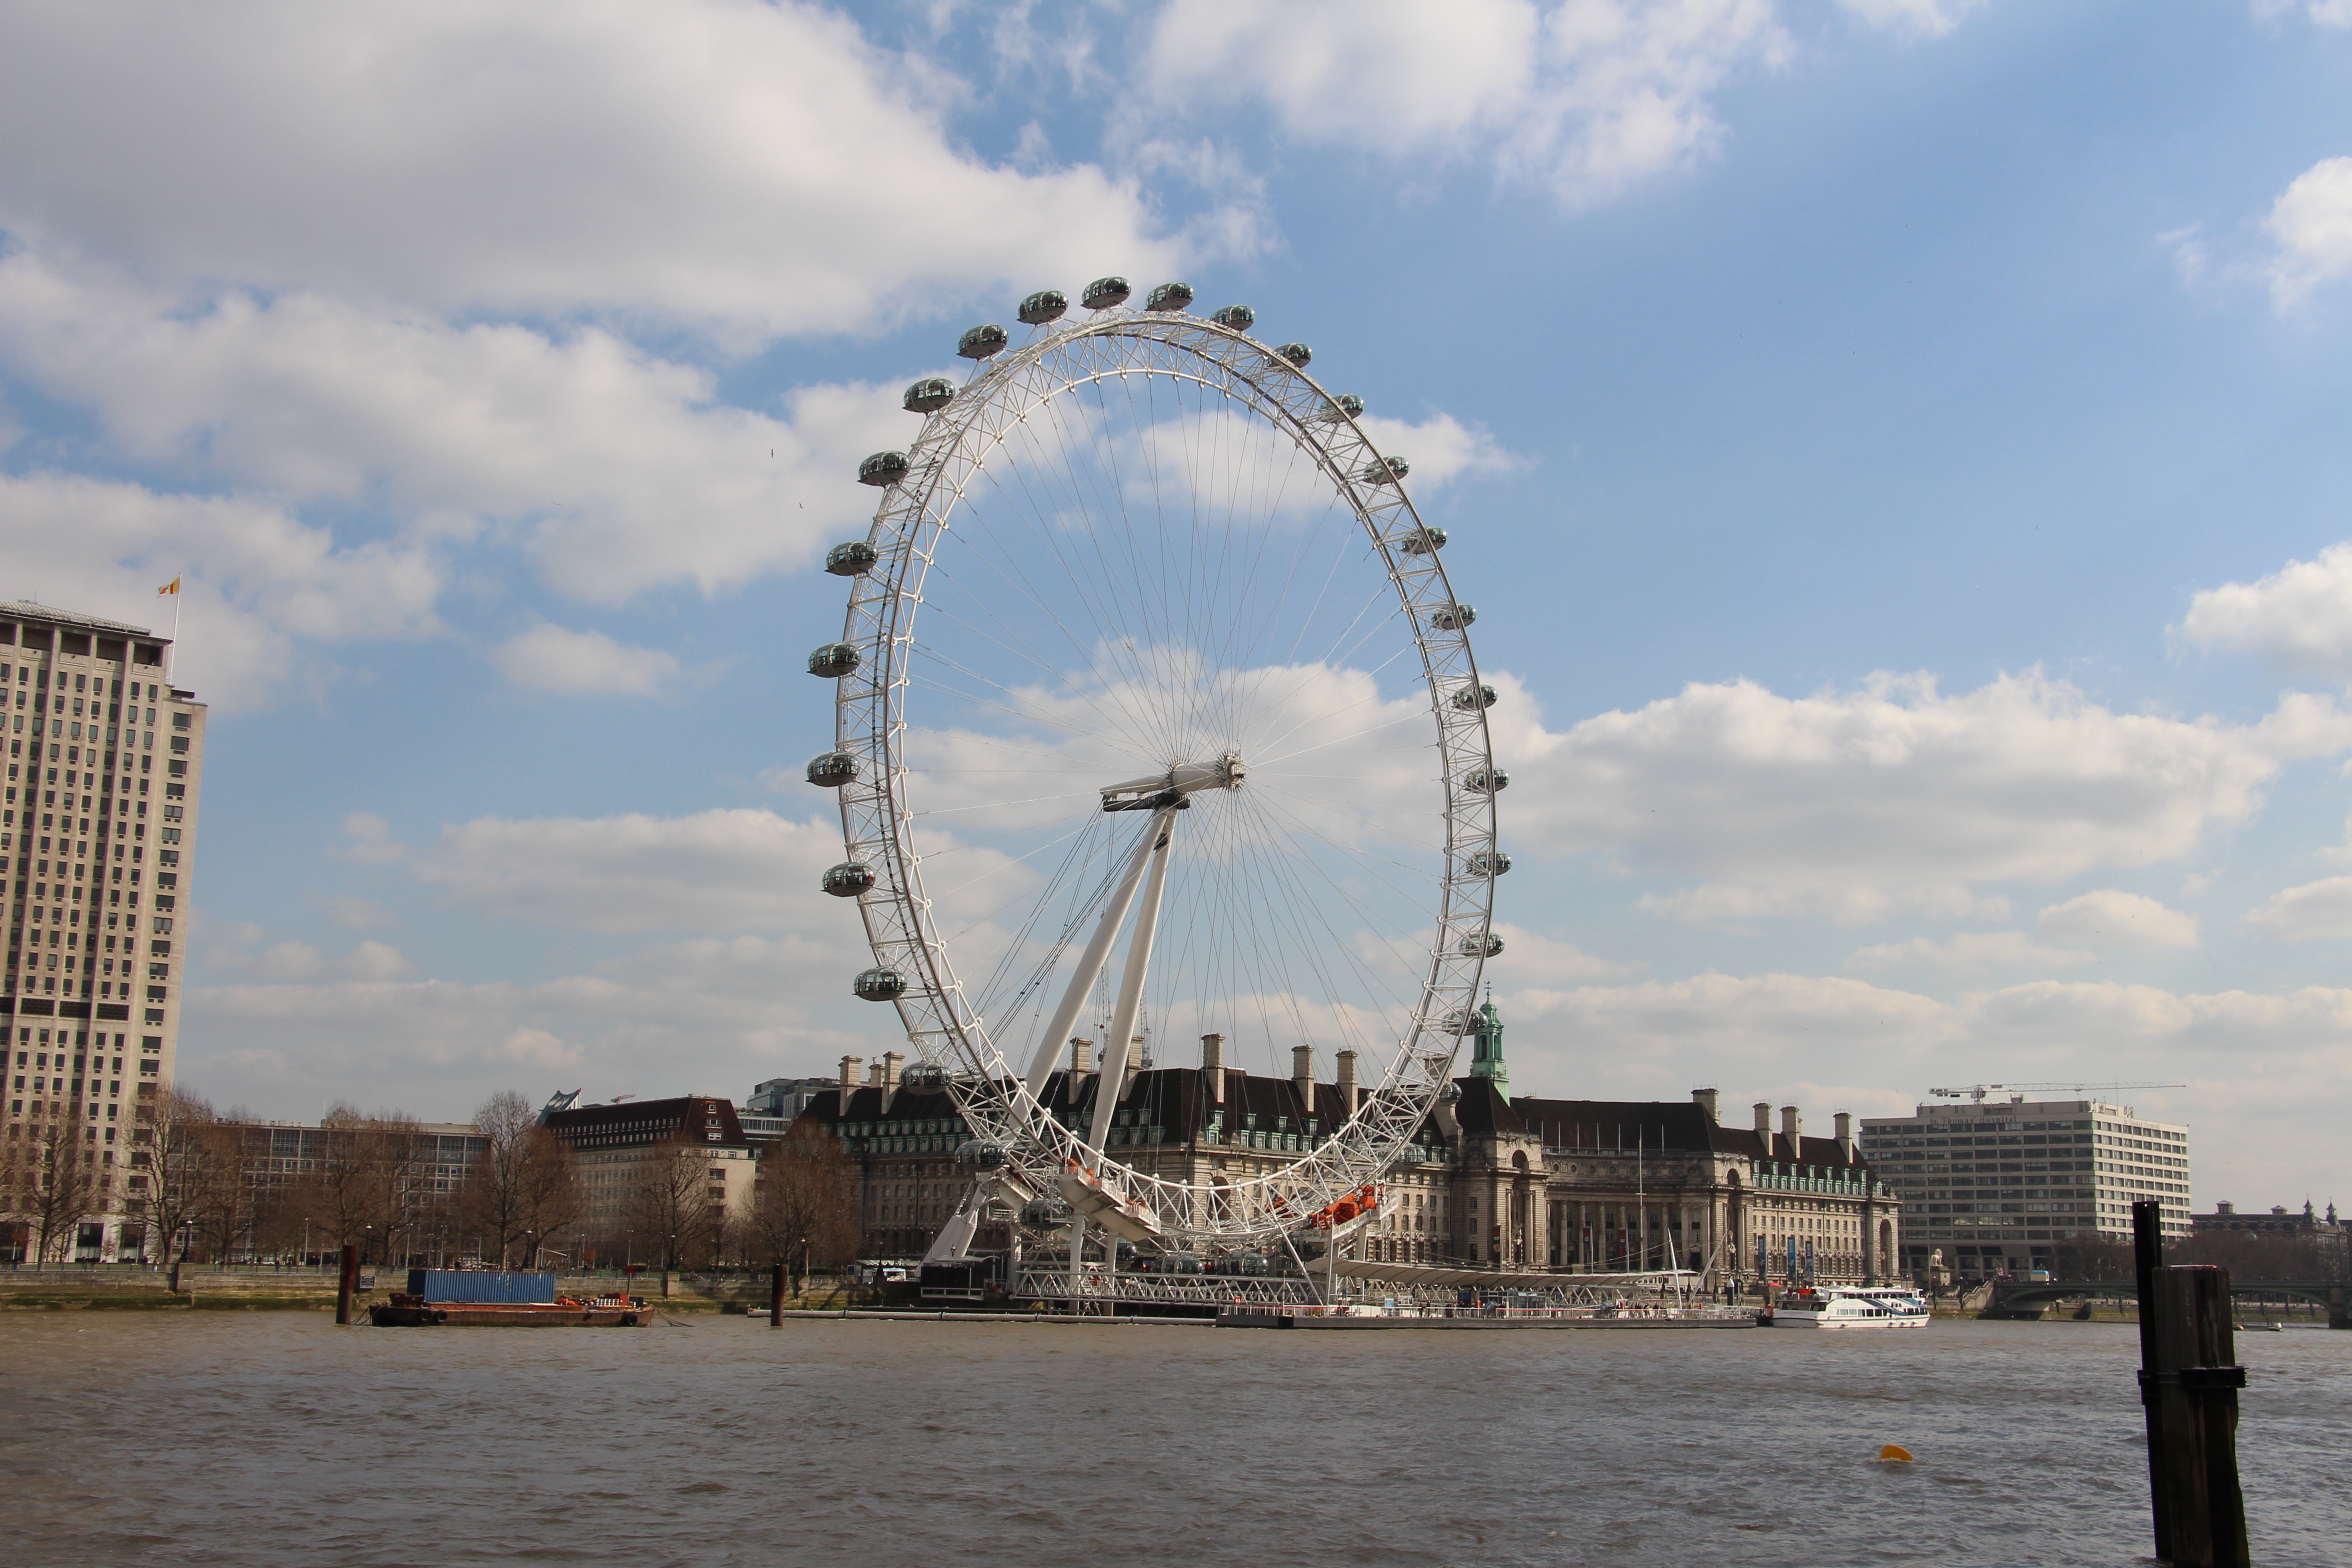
(1185, 778)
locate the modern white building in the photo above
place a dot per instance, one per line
(97, 836)
(1997, 1185)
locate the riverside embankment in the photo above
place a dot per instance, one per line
(117, 1289)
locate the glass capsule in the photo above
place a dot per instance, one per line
(832, 770)
(880, 983)
(851, 560)
(847, 879)
(1470, 698)
(1452, 617)
(1240, 318)
(834, 660)
(1169, 297)
(979, 342)
(1104, 293)
(1423, 541)
(1487, 781)
(883, 468)
(1296, 353)
(929, 395)
(1045, 305)
(1387, 472)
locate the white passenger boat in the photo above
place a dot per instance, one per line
(1850, 1307)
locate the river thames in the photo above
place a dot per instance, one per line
(276, 1439)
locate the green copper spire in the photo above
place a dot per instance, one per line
(1487, 1047)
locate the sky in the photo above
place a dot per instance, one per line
(1897, 448)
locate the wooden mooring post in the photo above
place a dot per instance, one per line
(347, 1285)
(2189, 1383)
(776, 1297)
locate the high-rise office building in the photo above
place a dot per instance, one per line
(97, 834)
(2000, 1185)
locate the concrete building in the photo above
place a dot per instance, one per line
(1999, 1187)
(1527, 1183)
(97, 845)
(620, 1150)
(774, 1102)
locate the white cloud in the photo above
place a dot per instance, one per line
(256, 583)
(758, 168)
(2316, 911)
(619, 471)
(2319, 13)
(550, 659)
(1970, 951)
(715, 870)
(2269, 1076)
(1855, 805)
(2299, 617)
(1586, 98)
(538, 1048)
(368, 841)
(1439, 449)
(1530, 958)
(234, 947)
(1928, 19)
(2109, 918)
(358, 914)
(2311, 224)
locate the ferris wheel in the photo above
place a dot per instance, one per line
(1157, 718)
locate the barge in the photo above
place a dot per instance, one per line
(438, 1298)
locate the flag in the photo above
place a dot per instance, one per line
(171, 587)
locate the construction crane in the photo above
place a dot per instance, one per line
(2018, 1091)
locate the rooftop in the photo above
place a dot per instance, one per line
(26, 610)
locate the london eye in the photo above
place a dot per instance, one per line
(1158, 719)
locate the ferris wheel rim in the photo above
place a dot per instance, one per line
(909, 528)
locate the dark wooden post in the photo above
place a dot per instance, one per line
(347, 1285)
(776, 1299)
(2188, 1385)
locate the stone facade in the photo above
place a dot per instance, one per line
(1530, 1182)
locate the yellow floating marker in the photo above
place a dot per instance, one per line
(1898, 1455)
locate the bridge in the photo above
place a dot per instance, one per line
(2020, 1295)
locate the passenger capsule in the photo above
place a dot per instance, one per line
(1452, 617)
(924, 1078)
(982, 1153)
(854, 559)
(1487, 781)
(979, 342)
(1296, 353)
(1240, 318)
(1423, 541)
(1045, 305)
(1489, 863)
(847, 879)
(1104, 293)
(1179, 1263)
(1350, 404)
(1387, 472)
(832, 770)
(1472, 699)
(1461, 1021)
(1169, 297)
(1249, 1263)
(883, 468)
(834, 659)
(880, 983)
(929, 395)
(1450, 1095)
(1044, 1214)
(1483, 944)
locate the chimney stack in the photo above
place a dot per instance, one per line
(853, 1068)
(1302, 1077)
(1348, 1094)
(1791, 1128)
(874, 1074)
(1764, 1124)
(892, 1062)
(1212, 1063)
(1082, 1060)
(1845, 1135)
(1705, 1098)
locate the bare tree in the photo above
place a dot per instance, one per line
(50, 1179)
(805, 1203)
(167, 1154)
(673, 1205)
(524, 1186)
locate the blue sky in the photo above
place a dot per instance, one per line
(1898, 450)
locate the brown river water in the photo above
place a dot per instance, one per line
(276, 1439)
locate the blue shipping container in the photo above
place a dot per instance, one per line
(454, 1285)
